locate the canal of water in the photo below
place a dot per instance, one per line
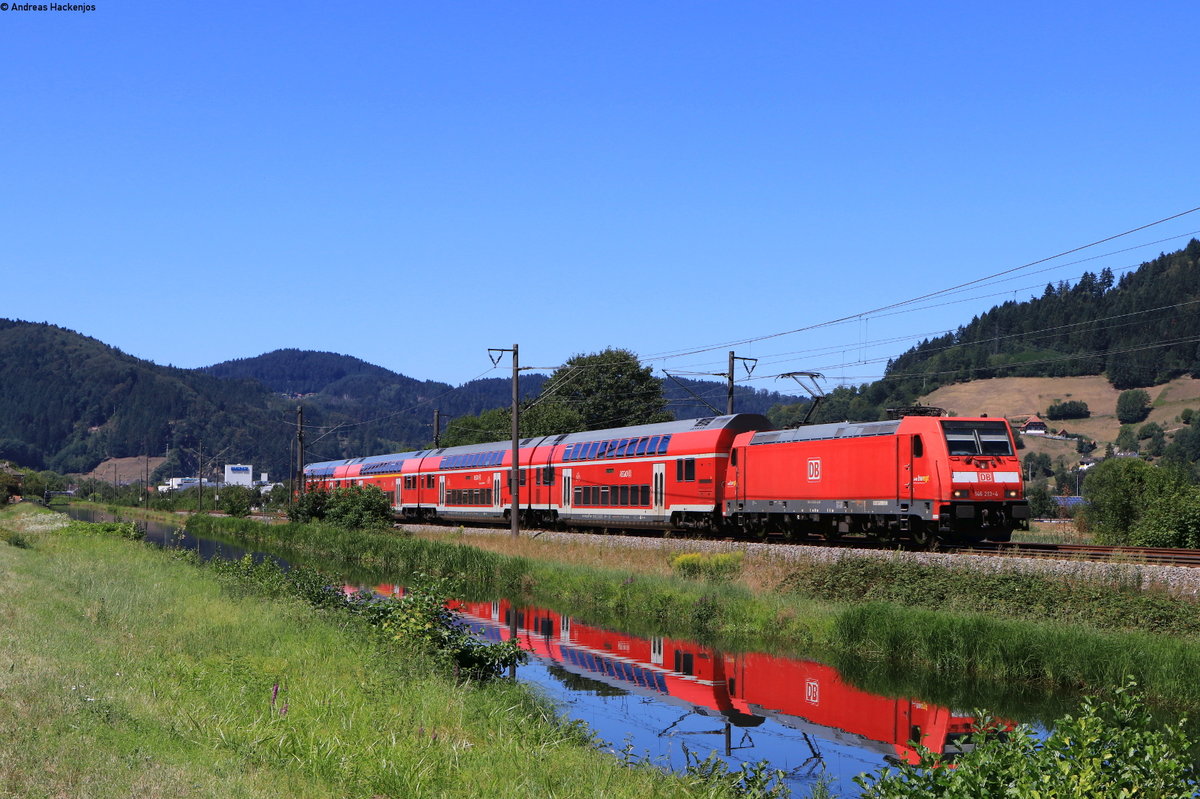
(673, 702)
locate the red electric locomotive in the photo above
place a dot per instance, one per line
(919, 477)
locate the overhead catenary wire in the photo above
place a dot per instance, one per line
(919, 298)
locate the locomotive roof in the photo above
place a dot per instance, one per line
(816, 432)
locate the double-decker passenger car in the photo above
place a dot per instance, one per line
(919, 477)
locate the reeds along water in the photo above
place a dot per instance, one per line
(1054, 655)
(1058, 655)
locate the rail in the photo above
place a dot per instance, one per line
(1161, 556)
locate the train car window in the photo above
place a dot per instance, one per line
(603, 495)
(662, 445)
(568, 452)
(733, 457)
(918, 447)
(646, 495)
(549, 478)
(685, 470)
(579, 500)
(593, 449)
(625, 495)
(977, 438)
(652, 445)
(522, 477)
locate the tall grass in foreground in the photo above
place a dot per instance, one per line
(954, 647)
(717, 614)
(126, 672)
(1053, 655)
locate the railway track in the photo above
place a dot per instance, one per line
(1088, 552)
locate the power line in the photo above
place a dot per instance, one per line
(919, 298)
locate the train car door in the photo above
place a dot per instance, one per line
(659, 489)
(441, 490)
(566, 489)
(497, 496)
(398, 495)
(907, 449)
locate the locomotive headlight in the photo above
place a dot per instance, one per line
(959, 493)
(1012, 493)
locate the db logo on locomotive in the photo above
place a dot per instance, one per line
(814, 469)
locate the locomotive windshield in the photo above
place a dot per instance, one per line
(977, 438)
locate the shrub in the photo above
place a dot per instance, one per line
(1172, 520)
(237, 500)
(350, 508)
(715, 567)
(1072, 409)
(1119, 491)
(1041, 504)
(1111, 749)
(1133, 406)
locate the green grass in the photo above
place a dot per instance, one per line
(960, 627)
(721, 615)
(1112, 606)
(1056, 656)
(128, 672)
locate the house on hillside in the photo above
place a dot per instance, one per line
(1033, 426)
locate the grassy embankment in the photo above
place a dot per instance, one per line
(127, 672)
(950, 625)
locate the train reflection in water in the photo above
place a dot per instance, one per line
(743, 690)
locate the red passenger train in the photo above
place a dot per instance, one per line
(743, 688)
(918, 477)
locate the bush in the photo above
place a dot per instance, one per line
(1041, 504)
(1172, 520)
(350, 508)
(718, 568)
(1072, 409)
(1119, 491)
(237, 500)
(1133, 406)
(1112, 749)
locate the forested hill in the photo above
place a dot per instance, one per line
(1139, 331)
(68, 402)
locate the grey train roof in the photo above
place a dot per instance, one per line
(738, 422)
(817, 432)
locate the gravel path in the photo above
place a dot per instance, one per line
(1176, 580)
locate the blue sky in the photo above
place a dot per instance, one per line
(413, 183)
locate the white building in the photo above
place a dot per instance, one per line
(239, 474)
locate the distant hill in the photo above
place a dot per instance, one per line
(1139, 331)
(69, 402)
(294, 371)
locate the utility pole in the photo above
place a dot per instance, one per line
(200, 476)
(300, 449)
(729, 376)
(437, 428)
(515, 476)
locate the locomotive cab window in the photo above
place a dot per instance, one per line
(918, 448)
(977, 438)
